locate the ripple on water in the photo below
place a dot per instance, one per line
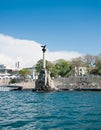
(50, 111)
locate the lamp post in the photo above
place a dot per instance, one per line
(44, 50)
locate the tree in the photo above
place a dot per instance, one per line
(62, 67)
(99, 72)
(98, 61)
(75, 64)
(54, 71)
(24, 72)
(89, 62)
(39, 65)
(98, 64)
(59, 67)
(13, 81)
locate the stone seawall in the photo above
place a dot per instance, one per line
(78, 82)
(27, 85)
(24, 85)
(70, 83)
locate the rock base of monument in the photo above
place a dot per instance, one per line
(44, 83)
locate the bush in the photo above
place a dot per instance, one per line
(13, 81)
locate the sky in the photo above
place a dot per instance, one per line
(69, 28)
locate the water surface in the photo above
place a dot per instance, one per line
(26, 110)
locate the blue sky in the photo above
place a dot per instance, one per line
(64, 25)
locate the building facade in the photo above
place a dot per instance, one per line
(80, 71)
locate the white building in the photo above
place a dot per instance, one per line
(6, 72)
(34, 74)
(80, 71)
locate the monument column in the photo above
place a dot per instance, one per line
(44, 50)
(44, 82)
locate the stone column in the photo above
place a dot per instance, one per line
(43, 83)
(44, 50)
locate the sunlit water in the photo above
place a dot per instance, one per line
(26, 110)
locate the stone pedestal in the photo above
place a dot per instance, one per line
(44, 82)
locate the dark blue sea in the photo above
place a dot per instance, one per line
(27, 110)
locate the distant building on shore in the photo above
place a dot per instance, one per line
(34, 74)
(6, 71)
(2, 67)
(80, 71)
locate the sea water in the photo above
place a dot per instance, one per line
(27, 110)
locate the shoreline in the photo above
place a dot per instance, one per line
(62, 84)
(18, 86)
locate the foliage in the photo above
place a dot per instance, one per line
(39, 65)
(24, 72)
(98, 61)
(13, 81)
(97, 65)
(89, 62)
(62, 67)
(76, 63)
(99, 72)
(54, 71)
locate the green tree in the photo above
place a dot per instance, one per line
(39, 65)
(59, 67)
(25, 72)
(98, 64)
(99, 72)
(54, 71)
(98, 61)
(62, 67)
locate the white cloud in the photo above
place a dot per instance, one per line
(27, 52)
(52, 56)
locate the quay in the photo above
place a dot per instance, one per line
(18, 86)
(62, 84)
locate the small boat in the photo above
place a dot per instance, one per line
(10, 88)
